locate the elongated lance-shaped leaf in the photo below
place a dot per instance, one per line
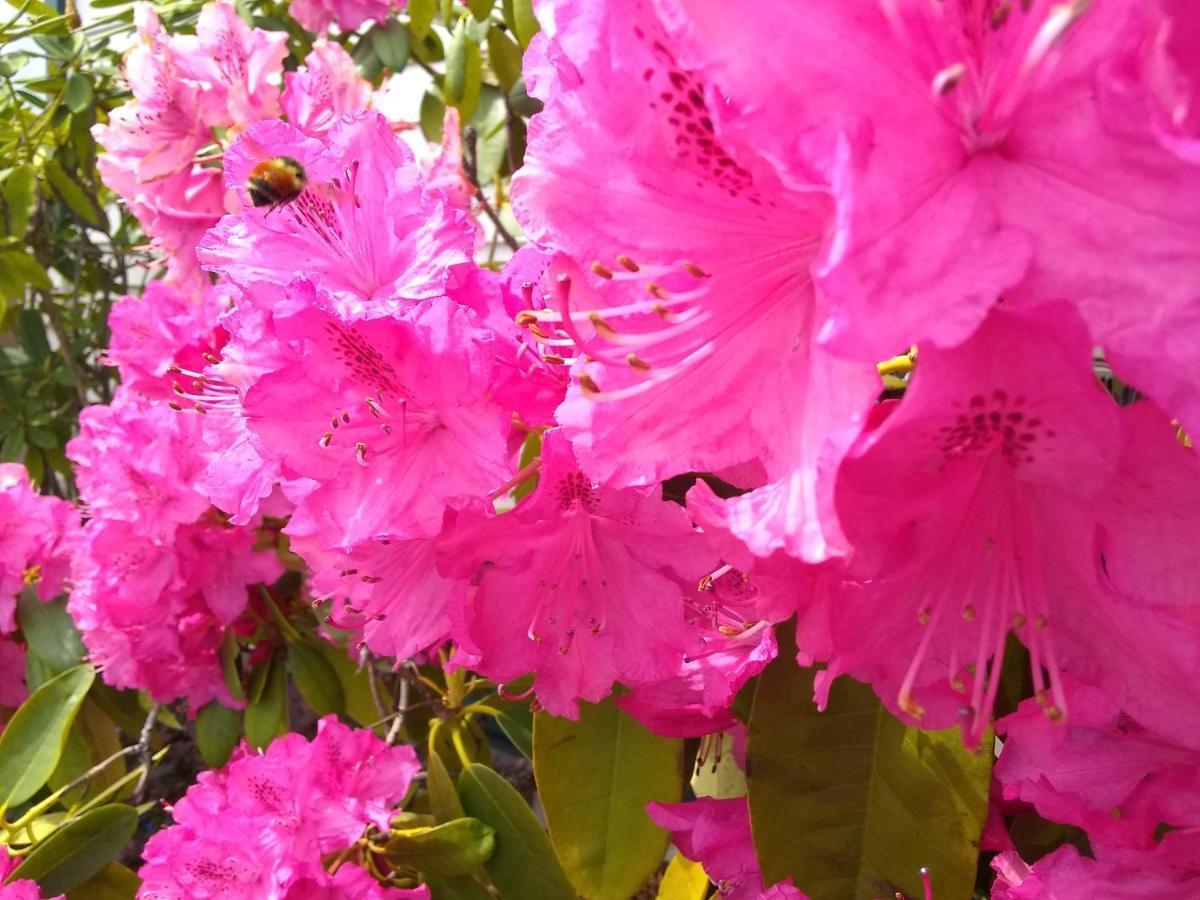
(78, 850)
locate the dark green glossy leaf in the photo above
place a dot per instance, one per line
(457, 847)
(218, 730)
(461, 888)
(356, 687)
(851, 803)
(517, 724)
(78, 850)
(595, 777)
(266, 713)
(49, 631)
(315, 679)
(32, 742)
(523, 862)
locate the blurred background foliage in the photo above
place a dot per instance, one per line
(69, 250)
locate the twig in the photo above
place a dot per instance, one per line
(373, 682)
(143, 748)
(471, 171)
(401, 709)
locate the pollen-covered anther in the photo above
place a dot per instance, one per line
(325, 439)
(175, 406)
(539, 332)
(602, 270)
(694, 270)
(1053, 713)
(211, 358)
(199, 407)
(628, 264)
(554, 360)
(588, 384)
(346, 417)
(637, 362)
(946, 80)
(525, 318)
(602, 327)
(999, 15)
(909, 704)
(360, 452)
(178, 389)
(374, 407)
(656, 290)
(661, 311)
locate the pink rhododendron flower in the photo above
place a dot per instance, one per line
(364, 229)
(579, 584)
(389, 420)
(164, 327)
(12, 672)
(997, 148)
(1066, 875)
(37, 536)
(261, 826)
(154, 487)
(973, 503)
(716, 834)
(238, 66)
(1102, 771)
(25, 888)
(695, 324)
(348, 15)
(325, 89)
(153, 615)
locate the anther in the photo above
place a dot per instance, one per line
(656, 290)
(1053, 713)
(924, 616)
(553, 360)
(1039, 623)
(588, 384)
(1018, 620)
(334, 423)
(210, 358)
(694, 270)
(601, 326)
(200, 409)
(637, 362)
(175, 406)
(360, 451)
(602, 270)
(628, 263)
(525, 318)
(946, 80)
(325, 439)
(968, 612)
(346, 417)
(911, 706)
(178, 388)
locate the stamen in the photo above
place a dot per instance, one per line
(946, 80)
(628, 264)
(589, 386)
(602, 270)
(360, 451)
(325, 439)
(694, 270)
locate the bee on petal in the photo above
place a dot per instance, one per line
(276, 182)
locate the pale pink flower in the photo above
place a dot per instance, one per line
(261, 826)
(153, 615)
(365, 229)
(694, 327)
(164, 327)
(716, 834)
(37, 536)
(325, 89)
(348, 15)
(238, 67)
(580, 584)
(972, 510)
(997, 149)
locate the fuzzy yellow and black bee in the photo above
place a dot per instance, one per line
(276, 182)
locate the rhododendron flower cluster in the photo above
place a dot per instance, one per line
(261, 826)
(735, 225)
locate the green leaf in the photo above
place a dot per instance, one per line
(480, 8)
(504, 56)
(460, 888)
(12, 63)
(517, 725)
(72, 193)
(683, 880)
(266, 714)
(464, 72)
(443, 798)
(218, 730)
(78, 850)
(519, 17)
(433, 117)
(523, 863)
(420, 17)
(316, 680)
(851, 803)
(32, 743)
(79, 94)
(356, 687)
(49, 631)
(229, 668)
(20, 198)
(113, 882)
(391, 45)
(594, 778)
(454, 848)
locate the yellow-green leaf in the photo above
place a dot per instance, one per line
(464, 72)
(523, 862)
(70, 192)
(520, 18)
(420, 17)
(356, 687)
(266, 714)
(78, 850)
(457, 847)
(443, 798)
(79, 94)
(595, 777)
(683, 880)
(851, 803)
(20, 197)
(33, 740)
(113, 882)
(504, 56)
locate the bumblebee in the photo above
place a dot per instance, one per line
(276, 182)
